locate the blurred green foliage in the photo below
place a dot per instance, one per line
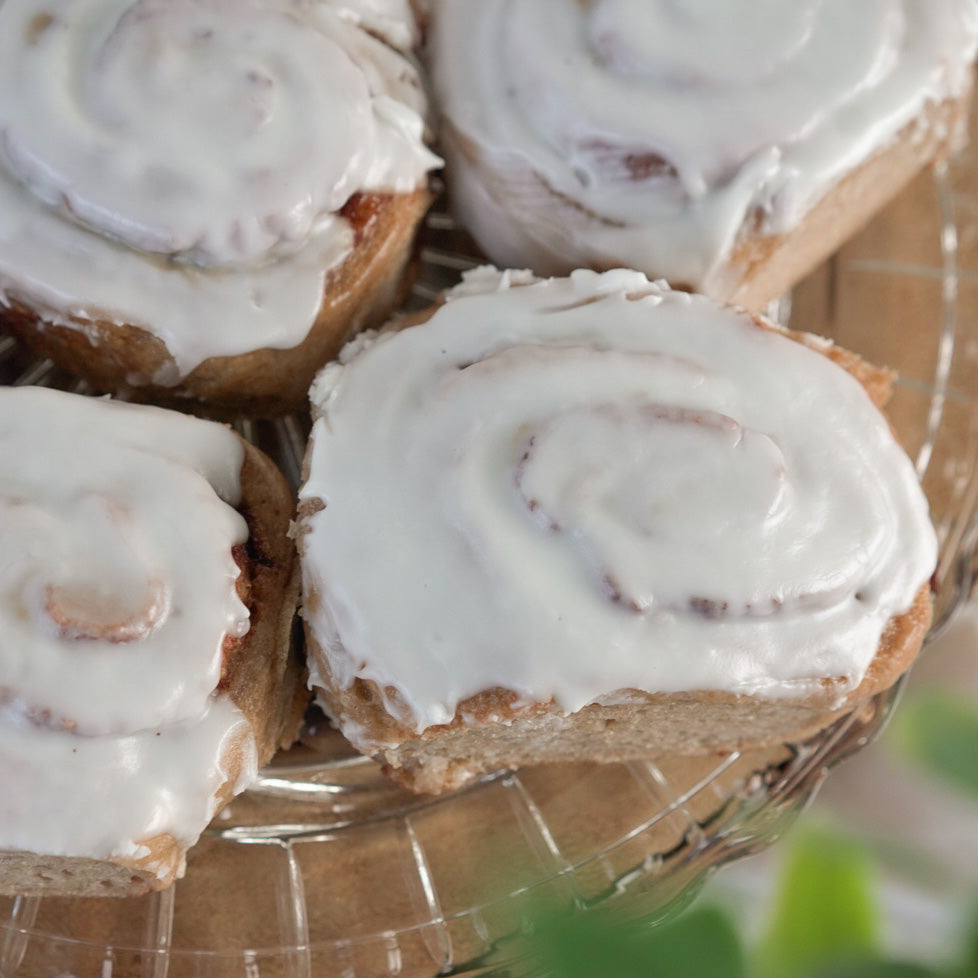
(701, 942)
(826, 923)
(938, 730)
(824, 908)
(871, 967)
(826, 918)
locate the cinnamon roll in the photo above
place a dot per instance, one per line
(203, 200)
(593, 518)
(725, 147)
(147, 591)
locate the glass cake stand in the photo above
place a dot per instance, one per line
(326, 869)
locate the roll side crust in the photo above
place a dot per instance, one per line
(262, 673)
(761, 266)
(494, 729)
(359, 293)
(767, 266)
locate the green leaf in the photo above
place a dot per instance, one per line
(825, 908)
(700, 944)
(703, 943)
(939, 730)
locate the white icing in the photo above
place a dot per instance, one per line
(594, 484)
(100, 796)
(393, 20)
(208, 216)
(648, 133)
(117, 592)
(62, 268)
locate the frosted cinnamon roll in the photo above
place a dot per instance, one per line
(202, 200)
(592, 518)
(724, 147)
(147, 590)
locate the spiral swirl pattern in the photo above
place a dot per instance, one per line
(271, 129)
(594, 484)
(117, 597)
(649, 133)
(180, 165)
(118, 586)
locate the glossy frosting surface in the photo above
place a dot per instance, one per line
(574, 487)
(648, 133)
(117, 593)
(179, 165)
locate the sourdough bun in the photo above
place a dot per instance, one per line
(149, 672)
(596, 519)
(218, 199)
(726, 153)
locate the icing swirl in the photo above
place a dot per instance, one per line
(203, 151)
(649, 133)
(594, 484)
(117, 596)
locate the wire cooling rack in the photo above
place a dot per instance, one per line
(325, 869)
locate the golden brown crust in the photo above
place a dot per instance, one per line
(359, 293)
(496, 729)
(36, 875)
(261, 674)
(767, 266)
(264, 677)
(761, 266)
